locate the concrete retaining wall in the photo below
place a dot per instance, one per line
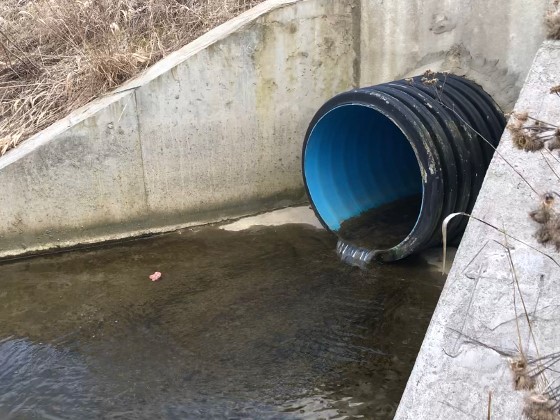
(474, 331)
(490, 41)
(214, 130)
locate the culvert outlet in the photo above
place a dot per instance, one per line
(384, 165)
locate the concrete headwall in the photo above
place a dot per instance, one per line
(214, 130)
(490, 41)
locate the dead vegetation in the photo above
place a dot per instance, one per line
(549, 220)
(529, 377)
(538, 407)
(552, 21)
(57, 55)
(530, 134)
(542, 399)
(522, 380)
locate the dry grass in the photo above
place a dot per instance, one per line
(57, 55)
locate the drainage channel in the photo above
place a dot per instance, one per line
(263, 322)
(260, 323)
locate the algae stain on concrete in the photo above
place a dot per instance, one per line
(289, 46)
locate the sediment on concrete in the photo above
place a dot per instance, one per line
(214, 130)
(474, 330)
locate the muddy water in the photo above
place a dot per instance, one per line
(264, 323)
(382, 227)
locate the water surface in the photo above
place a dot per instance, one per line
(382, 227)
(262, 323)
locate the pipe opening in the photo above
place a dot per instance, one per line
(363, 176)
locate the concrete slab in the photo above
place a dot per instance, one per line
(464, 356)
(211, 132)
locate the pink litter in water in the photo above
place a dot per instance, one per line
(156, 276)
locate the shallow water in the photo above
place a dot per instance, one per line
(263, 323)
(382, 227)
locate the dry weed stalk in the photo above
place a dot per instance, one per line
(552, 22)
(543, 404)
(531, 134)
(529, 374)
(429, 78)
(57, 55)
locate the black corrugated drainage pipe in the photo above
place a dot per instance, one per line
(384, 165)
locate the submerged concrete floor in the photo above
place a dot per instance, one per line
(260, 323)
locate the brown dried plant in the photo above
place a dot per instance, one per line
(430, 78)
(543, 400)
(540, 407)
(57, 55)
(552, 22)
(529, 374)
(530, 134)
(521, 378)
(548, 219)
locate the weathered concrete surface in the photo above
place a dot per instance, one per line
(214, 130)
(490, 41)
(474, 327)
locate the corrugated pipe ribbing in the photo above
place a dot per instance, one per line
(384, 165)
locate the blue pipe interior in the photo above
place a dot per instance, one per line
(355, 160)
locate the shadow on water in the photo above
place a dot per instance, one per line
(263, 323)
(382, 227)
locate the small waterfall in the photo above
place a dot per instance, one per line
(353, 255)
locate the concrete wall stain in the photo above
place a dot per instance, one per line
(214, 131)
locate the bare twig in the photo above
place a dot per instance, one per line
(452, 215)
(489, 416)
